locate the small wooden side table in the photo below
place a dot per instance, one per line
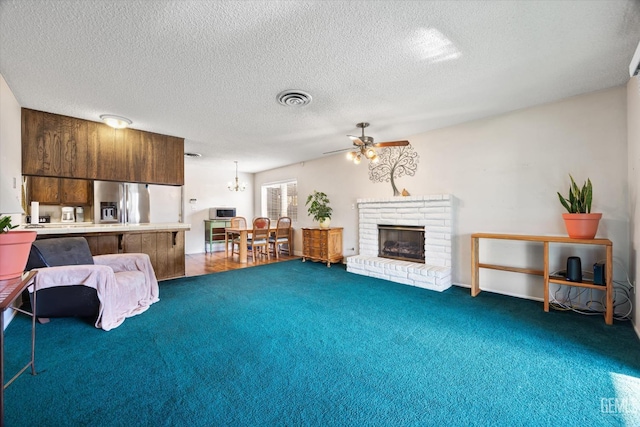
(10, 290)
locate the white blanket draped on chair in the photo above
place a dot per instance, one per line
(125, 283)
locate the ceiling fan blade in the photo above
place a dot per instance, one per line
(392, 144)
(337, 151)
(356, 140)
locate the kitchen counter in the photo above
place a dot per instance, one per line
(163, 242)
(87, 227)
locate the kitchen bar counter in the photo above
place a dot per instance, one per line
(87, 227)
(163, 242)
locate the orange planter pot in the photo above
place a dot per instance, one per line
(14, 252)
(582, 226)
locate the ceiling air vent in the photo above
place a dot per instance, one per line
(192, 155)
(294, 98)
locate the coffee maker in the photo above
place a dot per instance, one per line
(67, 215)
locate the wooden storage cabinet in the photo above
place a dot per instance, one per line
(214, 232)
(322, 244)
(59, 191)
(66, 147)
(42, 154)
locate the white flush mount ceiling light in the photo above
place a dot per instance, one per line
(294, 98)
(236, 186)
(116, 122)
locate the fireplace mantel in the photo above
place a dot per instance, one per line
(434, 212)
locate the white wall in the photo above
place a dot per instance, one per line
(633, 127)
(504, 173)
(10, 153)
(165, 203)
(206, 181)
(11, 161)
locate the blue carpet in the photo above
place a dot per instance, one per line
(298, 343)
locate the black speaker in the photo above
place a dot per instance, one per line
(574, 269)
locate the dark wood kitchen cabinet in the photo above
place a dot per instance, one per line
(59, 191)
(57, 145)
(42, 154)
(140, 159)
(66, 147)
(165, 249)
(156, 158)
(107, 149)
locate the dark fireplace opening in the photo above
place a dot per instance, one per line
(404, 242)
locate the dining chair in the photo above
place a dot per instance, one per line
(236, 222)
(281, 236)
(259, 240)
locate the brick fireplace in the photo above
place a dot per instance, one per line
(432, 213)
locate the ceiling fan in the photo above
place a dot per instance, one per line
(363, 146)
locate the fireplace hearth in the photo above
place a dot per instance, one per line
(426, 264)
(401, 242)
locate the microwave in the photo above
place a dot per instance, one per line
(219, 213)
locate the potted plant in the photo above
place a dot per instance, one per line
(14, 249)
(579, 221)
(319, 208)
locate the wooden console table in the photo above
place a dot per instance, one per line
(545, 240)
(10, 290)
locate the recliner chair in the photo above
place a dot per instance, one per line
(71, 282)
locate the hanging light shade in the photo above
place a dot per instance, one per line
(236, 186)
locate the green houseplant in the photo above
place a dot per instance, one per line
(5, 224)
(579, 221)
(14, 249)
(319, 209)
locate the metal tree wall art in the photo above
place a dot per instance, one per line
(394, 162)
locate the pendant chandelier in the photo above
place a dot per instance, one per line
(237, 186)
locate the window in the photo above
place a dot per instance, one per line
(280, 199)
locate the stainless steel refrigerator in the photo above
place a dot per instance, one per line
(121, 202)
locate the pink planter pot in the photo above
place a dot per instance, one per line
(14, 252)
(582, 226)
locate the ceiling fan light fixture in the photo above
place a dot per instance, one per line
(116, 122)
(351, 155)
(357, 159)
(370, 153)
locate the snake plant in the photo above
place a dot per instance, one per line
(5, 224)
(579, 200)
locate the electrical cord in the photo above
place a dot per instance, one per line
(621, 297)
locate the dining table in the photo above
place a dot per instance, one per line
(244, 233)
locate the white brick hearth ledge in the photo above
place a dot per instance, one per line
(433, 212)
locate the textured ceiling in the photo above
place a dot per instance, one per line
(210, 71)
